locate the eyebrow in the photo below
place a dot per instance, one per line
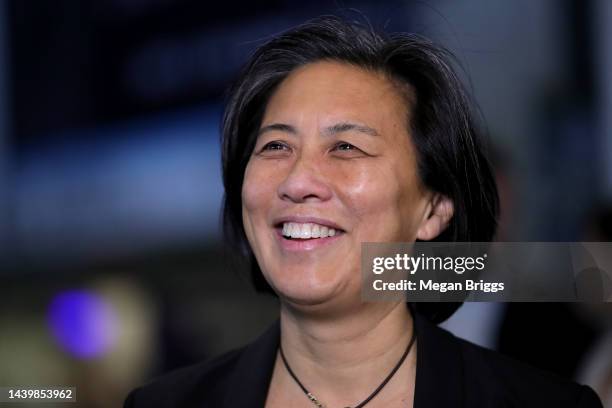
(330, 130)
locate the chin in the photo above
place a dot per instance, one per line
(320, 297)
(306, 289)
(302, 297)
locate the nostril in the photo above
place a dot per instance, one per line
(304, 185)
(311, 196)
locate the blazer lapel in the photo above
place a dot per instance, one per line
(248, 386)
(439, 373)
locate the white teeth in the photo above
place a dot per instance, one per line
(307, 230)
(314, 232)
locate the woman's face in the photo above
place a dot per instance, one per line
(333, 166)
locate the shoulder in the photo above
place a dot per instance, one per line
(476, 377)
(198, 384)
(492, 376)
(236, 379)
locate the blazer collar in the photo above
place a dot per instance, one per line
(439, 375)
(248, 386)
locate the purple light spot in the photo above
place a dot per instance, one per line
(83, 323)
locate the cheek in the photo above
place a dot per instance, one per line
(259, 192)
(383, 200)
(367, 190)
(256, 188)
(255, 195)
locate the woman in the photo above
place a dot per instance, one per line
(336, 135)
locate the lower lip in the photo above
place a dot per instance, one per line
(305, 244)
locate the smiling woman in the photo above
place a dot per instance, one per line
(336, 135)
(323, 148)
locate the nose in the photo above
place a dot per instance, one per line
(305, 182)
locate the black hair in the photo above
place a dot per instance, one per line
(450, 154)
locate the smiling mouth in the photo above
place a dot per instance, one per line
(307, 231)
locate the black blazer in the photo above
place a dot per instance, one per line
(450, 372)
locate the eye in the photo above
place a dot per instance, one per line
(348, 150)
(343, 146)
(345, 150)
(275, 146)
(274, 149)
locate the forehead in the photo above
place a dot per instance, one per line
(329, 91)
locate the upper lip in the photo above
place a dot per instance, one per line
(306, 219)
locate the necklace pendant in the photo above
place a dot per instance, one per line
(315, 400)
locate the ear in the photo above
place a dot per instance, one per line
(440, 210)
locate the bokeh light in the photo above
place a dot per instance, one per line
(83, 323)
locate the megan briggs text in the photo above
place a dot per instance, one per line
(430, 285)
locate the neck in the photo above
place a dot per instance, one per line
(349, 356)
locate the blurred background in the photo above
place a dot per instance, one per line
(112, 269)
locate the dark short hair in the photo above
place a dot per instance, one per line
(450, 155)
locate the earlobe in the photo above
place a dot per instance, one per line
(440, 210)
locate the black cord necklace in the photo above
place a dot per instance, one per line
(316, 402)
